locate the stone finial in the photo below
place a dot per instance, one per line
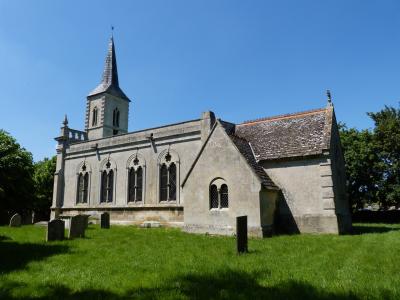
(65, 122)
(328, 94)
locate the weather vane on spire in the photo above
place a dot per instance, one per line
(112, 30)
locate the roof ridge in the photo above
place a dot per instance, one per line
(283, 116)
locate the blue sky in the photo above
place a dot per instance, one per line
(241, 59)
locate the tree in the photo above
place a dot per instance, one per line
(372, 160)
(43, 178)
(16, 184)
(387, 146)
(361, 165)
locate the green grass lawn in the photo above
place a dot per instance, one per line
(129, 262)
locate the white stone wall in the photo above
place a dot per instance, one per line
(181, 140)
(307, 195)
(95, 132)
(220, 159)
(106, 104)
(110, 104)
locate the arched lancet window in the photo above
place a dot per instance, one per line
(103, 187)
(107, 184)
(94, 116)
(213, 196)
(131, 185)
(83, 185)
(139, 184)
(172, 182)
(219, 194)
(163, 183)
(110, 185)
(135, 184)
(116, 117)
(223, 192)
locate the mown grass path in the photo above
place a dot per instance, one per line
(134, 263)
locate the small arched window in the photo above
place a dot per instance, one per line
(219, 194)
(83, 186)
(94, 116)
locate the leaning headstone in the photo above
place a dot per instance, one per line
(241, 234)
(105, 220)
(76, 227)
(55, 230)
(15, 220)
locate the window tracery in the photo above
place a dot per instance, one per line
(107, 182)
(136, 177)
(168, 176)
(82, 185)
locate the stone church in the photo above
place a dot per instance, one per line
(286, 173)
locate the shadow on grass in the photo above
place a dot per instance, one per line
(363, 229)
(15, 255)
(4, 238)
(223, 285)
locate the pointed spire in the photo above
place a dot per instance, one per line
(109, 82)
(110, 73)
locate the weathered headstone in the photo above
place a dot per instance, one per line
(55, 230)
(85, 220)
(105, 220)
(26, 218)
(241, 234)
(76, 227)
(15, 220)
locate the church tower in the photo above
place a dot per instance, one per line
(107, 106)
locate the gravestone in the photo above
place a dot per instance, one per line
(241, 234)
(15, 220)
(76, 227)
(55, 230)
(105, 220)
(86, 220)
(26, 218)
